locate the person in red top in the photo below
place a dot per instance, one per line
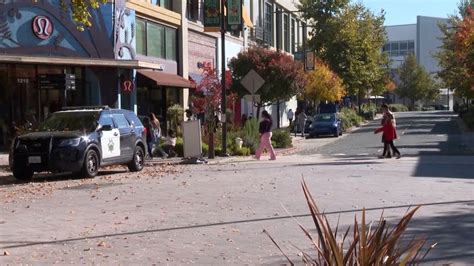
(389, 134)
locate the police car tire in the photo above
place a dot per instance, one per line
(23, 174)
(138, 160)
(90, 171)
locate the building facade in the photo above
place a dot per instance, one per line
(422, 39)
(137, 55)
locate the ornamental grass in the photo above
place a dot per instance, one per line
(361, 244)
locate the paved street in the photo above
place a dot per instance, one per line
(215, 213)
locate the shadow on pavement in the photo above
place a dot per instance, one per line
(23, 243)
(453, 231)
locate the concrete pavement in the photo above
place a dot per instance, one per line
(214, 214)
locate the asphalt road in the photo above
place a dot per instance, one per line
(214, 214)
(420, 133)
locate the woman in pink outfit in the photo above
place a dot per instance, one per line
(265, 130)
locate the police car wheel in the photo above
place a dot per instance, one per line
(90, 168)
(23, 174)
(138, 160)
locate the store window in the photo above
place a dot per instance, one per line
(156, 40)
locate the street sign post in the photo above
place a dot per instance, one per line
(252, 82)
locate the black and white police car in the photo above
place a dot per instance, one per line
(80, 140)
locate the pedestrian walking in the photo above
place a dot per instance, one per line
(290, 116)
(387, 115)
(156, 131)
(302, 121)
(265, 129)
(388, 136)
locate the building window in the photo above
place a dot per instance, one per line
(141, 36)
(293, 36)
(170, 38)
(268, 27)
(399, 48)
(192, 10)
(156, 40)
(165, 4)
(286, 32)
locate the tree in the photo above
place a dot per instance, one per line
(415, 83)
(283, 76)
(323, 84)
(81, 10)
(464, 44)
(350, 39)
(207, 100)
(451, 57)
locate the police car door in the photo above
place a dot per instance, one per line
(125, 131)
(109, 139)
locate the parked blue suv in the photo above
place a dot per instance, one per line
(325, 124)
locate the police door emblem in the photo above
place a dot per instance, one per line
(111, 145)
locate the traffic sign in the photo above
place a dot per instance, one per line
(252, 81)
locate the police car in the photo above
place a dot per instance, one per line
(80, 140)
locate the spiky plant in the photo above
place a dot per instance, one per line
(368, 245)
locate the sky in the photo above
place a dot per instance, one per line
(399, 12)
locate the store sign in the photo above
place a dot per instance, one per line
(212, 13)
(56, 81)
(42, 27)
(127, 86)
(234, 15)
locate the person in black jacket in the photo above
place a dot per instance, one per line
(265, 129)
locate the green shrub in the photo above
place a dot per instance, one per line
(205, 148)
(468, 118)
(179, 148)
(244, 151)
(175, 116)
(282, 138)
(250, 134)
(398, 107)
(349, 118)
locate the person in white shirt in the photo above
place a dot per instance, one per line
(290, 116)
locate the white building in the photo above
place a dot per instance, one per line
(423, 39)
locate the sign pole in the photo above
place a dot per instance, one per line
(223, 96)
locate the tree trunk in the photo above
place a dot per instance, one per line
(211, 152)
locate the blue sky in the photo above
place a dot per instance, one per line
(405, 11)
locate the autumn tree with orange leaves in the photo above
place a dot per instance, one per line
(323, 84)
(207, 100)
(464, 40)
(456, 56)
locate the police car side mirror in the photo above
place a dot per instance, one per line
(105, 127)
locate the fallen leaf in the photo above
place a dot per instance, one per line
(6, 253)
(101, 244)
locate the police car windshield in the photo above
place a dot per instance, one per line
(71, 121)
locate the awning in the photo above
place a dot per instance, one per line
(166, 79)
(246, 18)
(78, 61)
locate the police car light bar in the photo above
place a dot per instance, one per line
(94, 107)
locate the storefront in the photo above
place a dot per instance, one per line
(46, 63)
